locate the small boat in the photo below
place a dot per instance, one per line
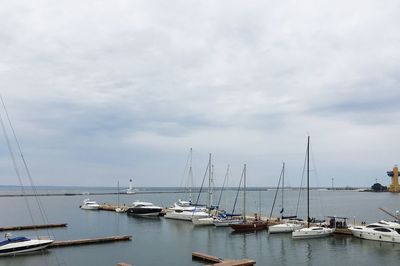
(140, 208)
(18, 245)
(90, 205)
(311, 231)
(251, 225)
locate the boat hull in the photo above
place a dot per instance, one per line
(203, 221)
(24, 247)
(284, 228)
(185, 215)
(249, 226)
(227, 222)
(312, 232)
(375, 236)
(144, 211)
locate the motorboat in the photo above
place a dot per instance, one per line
(203, 221)
(377, 233)
(185, 210)
(224, 222)
(312, 232)
(18, 245)
(225, 219)
(186, 215)
(285, 227)
(140, 208)
(90, 205)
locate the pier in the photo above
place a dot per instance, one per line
(221, 262)
(31, 227)
(89, 241)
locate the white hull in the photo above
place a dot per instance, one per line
(90, 207)
(24, 247)
(284, 228)
(185, 215)
(227, 222)
(203, 221)
(370, 234)
(312, 232)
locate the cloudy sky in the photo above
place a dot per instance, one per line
(100, 91)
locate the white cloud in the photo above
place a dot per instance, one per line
(246, 80)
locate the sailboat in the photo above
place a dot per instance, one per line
(186, 210)
(311, 231)
(251, 225)
(225, 219)
(289, 223)
(209, 220)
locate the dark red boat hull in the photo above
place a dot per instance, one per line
(249, 226)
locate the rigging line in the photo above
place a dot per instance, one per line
(276, 193)
(40, 205)
(320, 201)
(237, 193)
(16, 169)
(184, 170)
(201, 188)
(38, 201)
(223, 186)
(301, 183)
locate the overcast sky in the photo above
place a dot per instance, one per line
(100, 91)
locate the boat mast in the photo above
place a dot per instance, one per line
(283, 185)
(244, 193)
(190, 176)
(209, 182)
(308, 181)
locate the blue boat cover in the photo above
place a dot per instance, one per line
(13, 240)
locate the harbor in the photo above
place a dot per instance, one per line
(151, 234)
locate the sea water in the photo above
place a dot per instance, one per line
(159, 241)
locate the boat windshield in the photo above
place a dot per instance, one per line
(13, 240)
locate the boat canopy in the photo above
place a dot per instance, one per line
(13, 240)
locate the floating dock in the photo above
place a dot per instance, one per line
(222, 262)
(31, 227)
(89, 241)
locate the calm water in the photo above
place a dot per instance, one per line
(169, 242)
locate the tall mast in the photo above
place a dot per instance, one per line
(308, 181)
(283, 185)
(190, 175)
(244, 193)
(209, 182)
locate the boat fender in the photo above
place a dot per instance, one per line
(255, 225)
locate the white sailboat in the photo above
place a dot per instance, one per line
(209, 220)
(186, 210)
(289, 224)
(310, 231)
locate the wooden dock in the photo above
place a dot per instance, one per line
(222, 262)
(89, 241)
(31, 227)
